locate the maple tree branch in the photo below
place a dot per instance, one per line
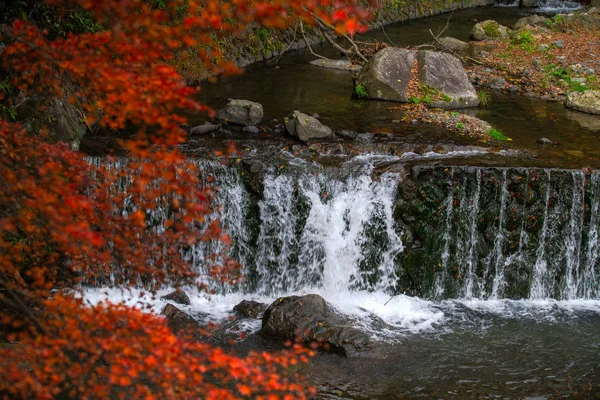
(22, 307)
(321, 22)
(308, 44)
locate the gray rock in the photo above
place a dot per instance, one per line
(542, 47)
(588, 101)
(489, 30)
(498, 84)
(178, 296)
(310, 320)
(544, 141)
(242, 112)
(455, 45)
(528, 3)
(251, 129)
(305, 127)
(204, 129)
(559, 44)
(347, 135)
(178, 320)
(588, 121)
(537, 63)
(249, 309)
(532, 20)
(513, 89)
(388, 73)
(445, 73)
(343, 65)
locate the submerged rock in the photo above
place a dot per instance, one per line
(177, 319)
(178, 296)
(343, 65)
(455, 45)
(249, 309)
(544, 141)
(306, 128)
(309, 319)
(204, 129)
(242, 112)
(388, 73)
(588, 101)
(489, 30)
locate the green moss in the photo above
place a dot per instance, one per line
(491, 29)
(498, 135)
(360, 91)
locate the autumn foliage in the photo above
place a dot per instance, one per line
(62, 222)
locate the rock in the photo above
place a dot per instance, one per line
(528, 3)
(542, 47)
(388, 73)
(178, 296)
(513, 89)
(588, 121)
(498, 84)
(445, 73)
(455, 45)
(544, 141)
(305, 127)
(588, 101)
(309, 319)
(575, 153)
(343, 65)
(533, 20)
(204, 129)
(242, 112)
(558, 43)
(59, 117)
(177, 319)
(251, 129)
(347, 135)
(537, 63)
(489, 30)
(249, 309)
(253, 176)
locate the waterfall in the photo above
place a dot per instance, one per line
(471, 232)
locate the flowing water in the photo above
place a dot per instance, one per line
(481, 275)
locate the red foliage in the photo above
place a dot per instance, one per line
(60, 219)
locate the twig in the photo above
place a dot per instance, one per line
(321, 22)
(308, 44)
(276, 59)
(22, 307)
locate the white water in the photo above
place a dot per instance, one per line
(337, 237)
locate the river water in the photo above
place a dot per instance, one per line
(504, 298)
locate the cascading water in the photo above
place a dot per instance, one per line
(472, 233)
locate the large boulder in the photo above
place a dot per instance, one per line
(490, 30)
(444, 73)
(61, 118)
(388, 73)
(242, 112)
(588, 101)
(177, 320)
(309, 319)
(306, 128)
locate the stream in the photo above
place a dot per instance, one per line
(477, 267)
